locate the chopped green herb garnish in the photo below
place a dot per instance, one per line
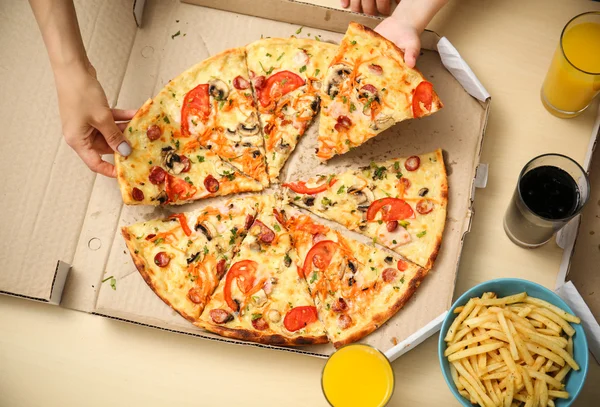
(352, 107)
(178, 33)
(269, 55)
(383, 90)
(158, 241)
(276, 227)
(353, 42)
(166, 119)
(344, 99)
(317, 72)
(328, 306)
(379, 173)
(190, 242)
(130, 129)
(188, 180)
(281, 56)
(234, 233)
(402, 280)
(403, 223)
(177, 144)
(326, 201)
(394, 241)
(200, 158)
(221, 104)
(396, 288)
(205, 251)
(313, 278)
(256, 316)
(113, 283)
(421, 234)
(299, 30)
(341, 189)
(397, 166)
(107, 278)
(302, 68)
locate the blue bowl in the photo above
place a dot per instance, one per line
(509, 286)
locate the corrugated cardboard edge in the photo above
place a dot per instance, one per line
(56, 289)
(293, 12)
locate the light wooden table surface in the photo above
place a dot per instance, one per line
(53, 357)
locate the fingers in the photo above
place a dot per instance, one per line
(122, 126)
(410, 57)
(120, 115)
(369, 7)
(113, 136)
(95, 163)
(345, 3)
(355, 6)
(384, 7)
(100, 145)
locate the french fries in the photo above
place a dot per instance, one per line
(511, 351)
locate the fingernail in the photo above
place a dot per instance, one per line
(124, 149)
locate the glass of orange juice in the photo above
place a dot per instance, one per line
(573, 79)
(358, 375)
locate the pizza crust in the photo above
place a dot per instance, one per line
(382, 317)
(142, 266)
(257, 336)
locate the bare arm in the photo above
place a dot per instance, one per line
(89, 125)
(407, 23)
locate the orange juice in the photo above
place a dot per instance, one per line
(358, 376)
(574, 75)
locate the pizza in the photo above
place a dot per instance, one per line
(262, 297)
(356, 287)
(287, 76)
(400, 204)
(166, 168)
(367, 89)
(218, 111)
(183, 257)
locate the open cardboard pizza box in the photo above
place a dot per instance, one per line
(64, 221)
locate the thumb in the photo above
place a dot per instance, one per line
(112, 134)
(410, 57)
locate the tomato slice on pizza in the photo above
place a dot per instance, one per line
(355, 287)
(286, 74)
(400, 204)
(364, 93)
(253, 301)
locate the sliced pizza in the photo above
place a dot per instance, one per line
(262, 297)
(400, 204)
(287, 75)
(356, 287)
(367, 89)
(182, 258)
(166, 168)
(217, 110)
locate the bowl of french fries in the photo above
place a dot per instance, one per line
(511, 342)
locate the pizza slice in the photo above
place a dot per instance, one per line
(166, 168)
(262, 298)
(368, 88)
(182, 258)
(400, 204)
(287, 75)
(218, 111)
(356, 287)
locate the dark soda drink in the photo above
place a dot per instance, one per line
(550, 192)
(546, 198)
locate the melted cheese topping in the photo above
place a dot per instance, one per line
(309, 60)
(376, 62)
(194, 258)
(355, 275)
(346, 202)
(278, 285)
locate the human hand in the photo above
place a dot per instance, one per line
(89, 125)
(370, 7)
(404, 35)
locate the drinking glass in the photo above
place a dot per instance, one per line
(535, 213)
(573, 78)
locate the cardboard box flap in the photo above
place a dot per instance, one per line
(304, 13)
(43, 179)
(159, 55)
